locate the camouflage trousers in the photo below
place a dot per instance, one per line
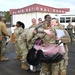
(3, 46)
(23, 47)
(24, 54)
(54, 68)
(58, 68)
(18, 51)
(46, 69)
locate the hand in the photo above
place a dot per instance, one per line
(48, 32)
(35, 31)
(57, 38)
(0, 38)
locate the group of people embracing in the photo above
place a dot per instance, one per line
(46, 30)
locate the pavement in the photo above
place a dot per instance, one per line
(13, 67)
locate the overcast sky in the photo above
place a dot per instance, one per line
(6, 5)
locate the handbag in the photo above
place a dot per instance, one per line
(52, 58)
(50, 49)
(37, 54)
(51, 53)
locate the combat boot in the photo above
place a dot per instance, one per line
(18, 57)
(63, 73)
(24, 66)
(4, 58)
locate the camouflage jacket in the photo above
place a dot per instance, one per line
(3, 29)
(47, 39)
(17, 32)
(66, 38)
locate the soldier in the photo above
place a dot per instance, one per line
(3, 42)
(47, 17)
(41, 33)
(40, 21)
(17, 32)
(24, 43)
(33, 23)
(48, 38)
(70, 30)
(60, 67)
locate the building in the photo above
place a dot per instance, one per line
(36, 11)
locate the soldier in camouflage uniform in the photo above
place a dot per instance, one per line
(24, 43)
(70, 31)
(33, 23)
(17, 32)
(3, 41)
(47, 39)
(60, 67)
(40, 21)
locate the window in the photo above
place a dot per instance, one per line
(62, 19)
(73, 19)
(68, 19)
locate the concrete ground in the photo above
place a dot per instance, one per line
(13, 67)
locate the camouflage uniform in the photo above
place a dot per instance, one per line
(4, 34)
(33, 26)
(47, 39)
(24, 43)
(17, 32)
(60, 67)
(70, 31)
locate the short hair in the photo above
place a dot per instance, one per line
(46, 16)
(39, 19)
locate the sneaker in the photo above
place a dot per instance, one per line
(32, 68)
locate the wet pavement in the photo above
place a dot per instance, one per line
(13, 67)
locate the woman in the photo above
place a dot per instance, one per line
(50, 38)
(17, 32)
(60, 67)
(47, 34)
